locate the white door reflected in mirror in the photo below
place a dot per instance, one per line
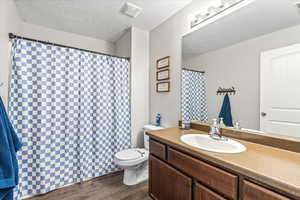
(279, 85)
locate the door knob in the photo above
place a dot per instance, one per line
(263, 114)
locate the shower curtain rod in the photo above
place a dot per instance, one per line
(203, 72)
(13, 36)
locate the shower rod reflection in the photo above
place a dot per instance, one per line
(193, 70)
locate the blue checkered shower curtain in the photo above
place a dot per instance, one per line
(71, 109)
(193, 96)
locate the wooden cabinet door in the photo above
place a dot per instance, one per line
(166, 183)
(203, 193)
(255, 192)
(218, 179)
(158, 149)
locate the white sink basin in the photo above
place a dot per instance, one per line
(204, 142)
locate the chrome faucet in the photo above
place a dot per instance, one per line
(215, 132)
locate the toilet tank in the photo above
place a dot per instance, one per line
(146, 137)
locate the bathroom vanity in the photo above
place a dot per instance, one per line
(180, 172)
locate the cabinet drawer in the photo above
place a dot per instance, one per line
(222, 181)
(252, 191)
(203, 193)
(158, 149)
(167, 183)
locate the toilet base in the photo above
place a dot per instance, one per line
(136, 175)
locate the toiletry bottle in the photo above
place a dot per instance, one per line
(222, 122)
(158, 119)
(182, 125)
(237, 125)
(186, 125)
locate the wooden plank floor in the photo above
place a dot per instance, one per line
(107, 188)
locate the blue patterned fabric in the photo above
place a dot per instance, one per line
(193, 96)
(71, 110)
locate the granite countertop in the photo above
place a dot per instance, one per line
(271, 166)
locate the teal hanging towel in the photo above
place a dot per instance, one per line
(9, 145)
(225, 112)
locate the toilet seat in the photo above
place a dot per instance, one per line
(130, 154)
(130, 157)
(134, 161)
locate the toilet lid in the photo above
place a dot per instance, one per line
(130, 154)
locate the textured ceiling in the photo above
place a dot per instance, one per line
(96, 18)
(256, 19)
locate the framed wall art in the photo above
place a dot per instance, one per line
(163, 86)
(163, 62)
(163, 75)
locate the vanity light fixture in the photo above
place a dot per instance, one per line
(213, 13)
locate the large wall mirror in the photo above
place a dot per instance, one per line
(246, 63)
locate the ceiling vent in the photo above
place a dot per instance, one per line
(131, 10)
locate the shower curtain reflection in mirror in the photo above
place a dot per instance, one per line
(193, 96)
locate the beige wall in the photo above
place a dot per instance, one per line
(135, 44)
(123, 45)
(239, 66)
(139, 83)
(65, 38)
(9, 22)
(165, 40)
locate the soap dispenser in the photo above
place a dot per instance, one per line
(158, 120)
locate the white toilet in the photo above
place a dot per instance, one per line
(135, 161)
